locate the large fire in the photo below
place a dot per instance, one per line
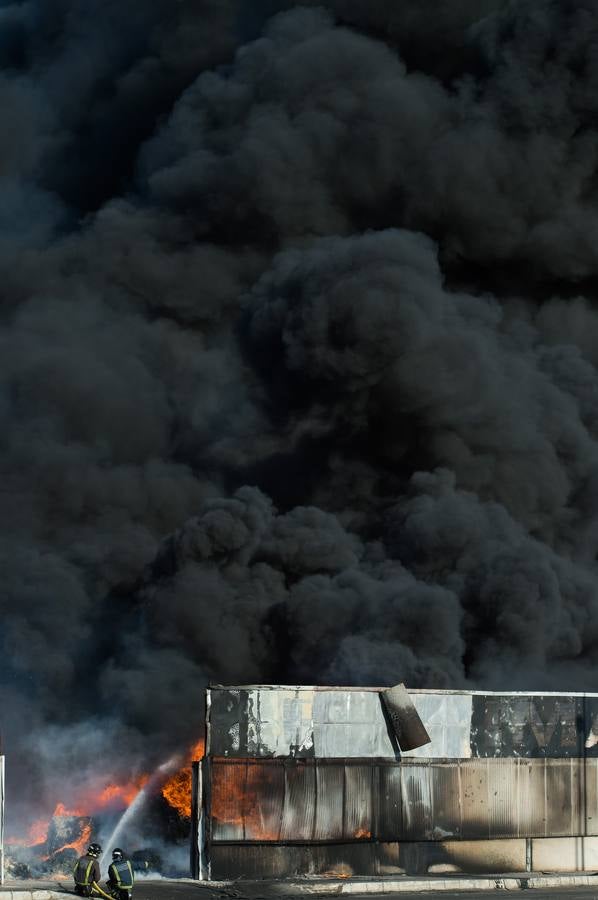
(177, 790)
(109, 797)
(71, 826)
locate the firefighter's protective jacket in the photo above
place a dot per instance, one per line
(120, 873)
(87, 870)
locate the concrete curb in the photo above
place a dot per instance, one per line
(430, 883)
(10, 894)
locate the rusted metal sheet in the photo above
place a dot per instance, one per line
(415, 800)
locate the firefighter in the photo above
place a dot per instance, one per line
(120, 875)
(87, 871)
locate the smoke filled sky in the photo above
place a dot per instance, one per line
(299, 349)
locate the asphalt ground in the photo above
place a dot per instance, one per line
(183, 891)
(189, 890)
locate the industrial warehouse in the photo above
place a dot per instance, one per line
(313, 781)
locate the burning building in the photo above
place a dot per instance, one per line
(312, 780)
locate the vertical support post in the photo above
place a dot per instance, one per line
(196, 848)
(206, 794)
(586, 727)
(206, 830)
(1, 820)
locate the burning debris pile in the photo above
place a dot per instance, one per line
(52, 846)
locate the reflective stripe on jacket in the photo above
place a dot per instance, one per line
(86, 871)
(121, 873)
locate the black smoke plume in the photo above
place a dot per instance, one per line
(299, 360)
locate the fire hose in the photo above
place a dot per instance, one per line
(95, 886)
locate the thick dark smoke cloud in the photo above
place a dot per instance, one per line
(300, 359)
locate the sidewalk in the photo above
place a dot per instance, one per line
(59, 890)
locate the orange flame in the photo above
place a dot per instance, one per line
(36, 834)
(80, 844)
(177, 790)
(111, 796)
(236, 801)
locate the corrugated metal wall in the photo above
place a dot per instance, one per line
(325, 800)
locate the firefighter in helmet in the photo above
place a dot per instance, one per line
(120, 875)
(87, 871)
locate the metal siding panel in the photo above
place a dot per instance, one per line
(389, 817)
(330, 790)
(563, 808)
(446, 800)
(358, 802)
(263, 801)
(338, 741)
(285, 723)
(447, 718)
(332, 707)
(503, 813)
(350, 724)
(225, 711)
(227, 790)
(533, 818)
(298, 817)
(416, 793)
(523, 798)
(474, 787)
(365, 707)
(591, 796)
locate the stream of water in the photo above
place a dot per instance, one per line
(131, 811)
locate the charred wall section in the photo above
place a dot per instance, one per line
(309, 780)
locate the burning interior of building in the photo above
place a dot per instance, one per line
(312, 780)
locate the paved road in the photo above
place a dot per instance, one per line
(183, 891)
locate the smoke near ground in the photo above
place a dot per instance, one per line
(299, 348)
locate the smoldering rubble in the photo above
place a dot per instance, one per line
(299, 360)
